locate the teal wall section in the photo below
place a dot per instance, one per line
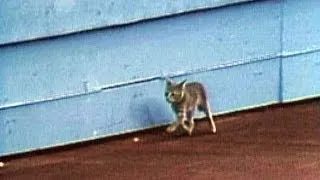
(301, 77)
(301, 49)
(24, 20)
(61, 67)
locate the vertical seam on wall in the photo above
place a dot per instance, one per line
(281, 52)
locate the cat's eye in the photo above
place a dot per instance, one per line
(176, 93)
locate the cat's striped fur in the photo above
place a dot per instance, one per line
(185, 99)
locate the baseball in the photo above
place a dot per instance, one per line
(136, 139)
(1, 164)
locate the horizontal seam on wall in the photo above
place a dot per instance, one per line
(162, 77)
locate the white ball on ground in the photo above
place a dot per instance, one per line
(1, 164)
(136, 139)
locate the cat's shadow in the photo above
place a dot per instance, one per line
(149, 111)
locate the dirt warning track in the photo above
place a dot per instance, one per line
(279, 142)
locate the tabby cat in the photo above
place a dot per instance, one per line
(185, 99)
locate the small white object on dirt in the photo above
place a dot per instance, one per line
(136, 139)
(1, 164)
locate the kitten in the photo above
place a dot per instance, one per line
(185, 98)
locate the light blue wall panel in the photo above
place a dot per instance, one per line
(301, 45)
(88, 61)
(301, 28)
(301, 77)
(85, 117)
(131, 108)
(29, 19)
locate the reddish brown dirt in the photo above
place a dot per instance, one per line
(281, 142)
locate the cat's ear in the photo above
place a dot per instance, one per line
(183, 84)
(169, 81)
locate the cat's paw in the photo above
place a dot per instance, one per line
(214, 130)
(171, 128)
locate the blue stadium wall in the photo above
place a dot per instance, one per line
(73, 71)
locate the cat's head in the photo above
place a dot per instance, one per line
(174, 91)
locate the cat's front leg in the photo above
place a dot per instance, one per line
(183, 118)
(187, 128)
(173, 127)
(191, 122)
